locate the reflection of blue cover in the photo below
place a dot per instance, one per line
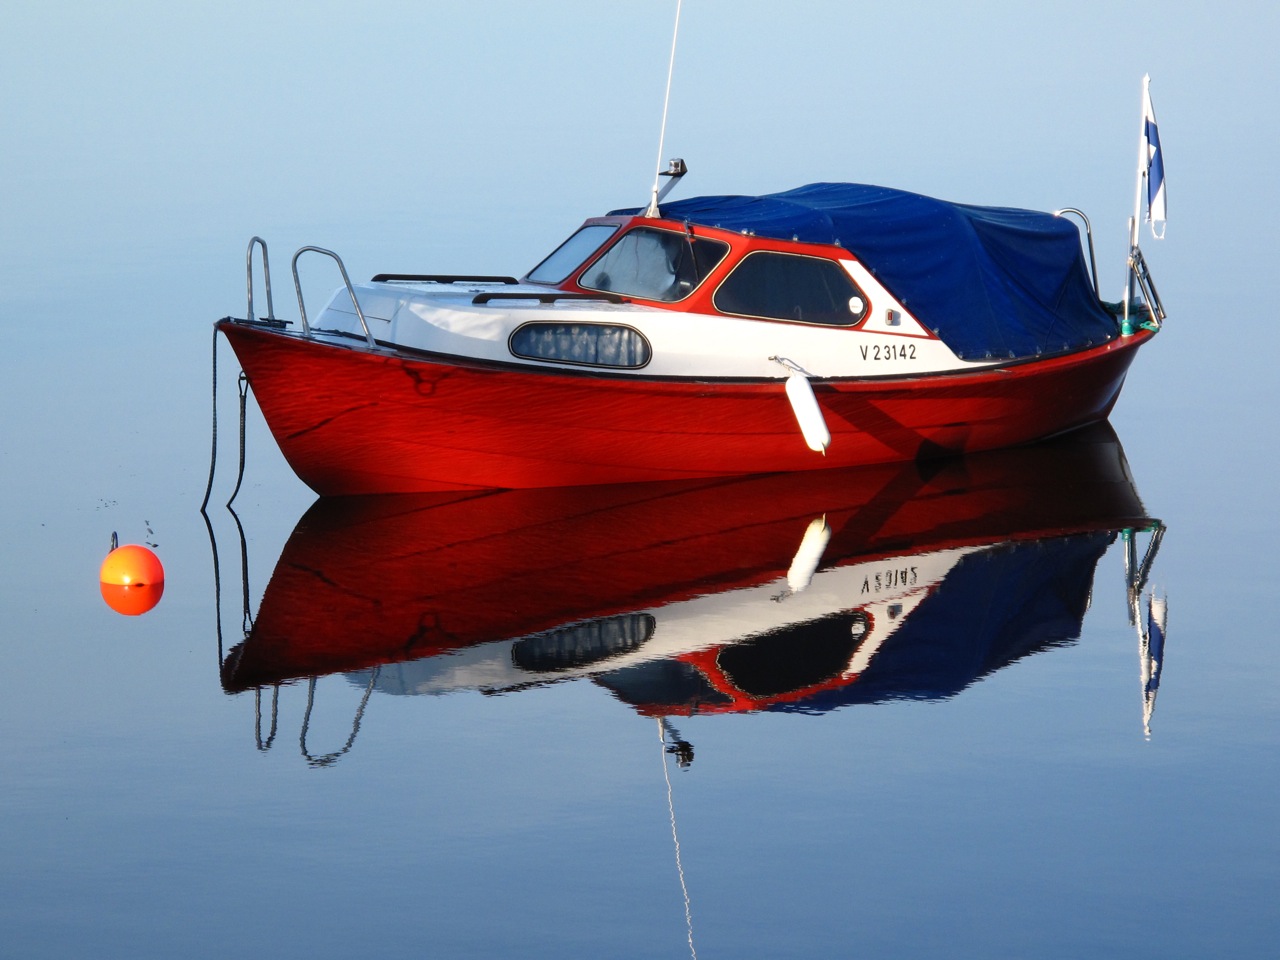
(995, 607)
(990, 281)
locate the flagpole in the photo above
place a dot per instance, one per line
(1143, 161)
(1126, 328)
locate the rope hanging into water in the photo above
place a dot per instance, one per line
(213, 456)
(243, 385)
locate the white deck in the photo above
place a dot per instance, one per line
(443, 319)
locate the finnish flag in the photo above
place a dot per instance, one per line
(1157, 619)
(1155, 164)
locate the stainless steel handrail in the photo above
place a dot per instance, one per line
(1088, 232)
(266, 276)
(302, 309)
(1138, 265)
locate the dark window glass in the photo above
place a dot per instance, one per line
(654, 264)
(784, 286)
(591, 344)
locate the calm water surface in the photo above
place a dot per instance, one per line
(633, 721)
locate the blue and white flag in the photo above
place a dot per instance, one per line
(1157, 619)
(1155, 164)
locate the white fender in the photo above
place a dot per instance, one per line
(808, 414)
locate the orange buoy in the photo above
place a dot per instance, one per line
(132, 600)
(131, 579)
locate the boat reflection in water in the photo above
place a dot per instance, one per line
(800, 592)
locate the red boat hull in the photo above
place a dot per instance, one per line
(353, 421)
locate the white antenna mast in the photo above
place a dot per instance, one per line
(677, 168)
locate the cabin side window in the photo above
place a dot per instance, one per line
(787, 286)
(569, 255)
(654, 265)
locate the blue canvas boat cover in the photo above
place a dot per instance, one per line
(991, 282)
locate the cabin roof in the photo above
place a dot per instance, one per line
(990, 281)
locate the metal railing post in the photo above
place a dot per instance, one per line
(266, 276)
(1088, 232)
(302, 308)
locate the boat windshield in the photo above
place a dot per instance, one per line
(654, 264)
(574, 251)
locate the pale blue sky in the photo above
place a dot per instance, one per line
(473, 135)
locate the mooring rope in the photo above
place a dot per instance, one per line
(242, 384)
(213, 456)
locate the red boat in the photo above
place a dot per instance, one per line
(829, 326)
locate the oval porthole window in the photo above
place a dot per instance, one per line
(589, 344)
